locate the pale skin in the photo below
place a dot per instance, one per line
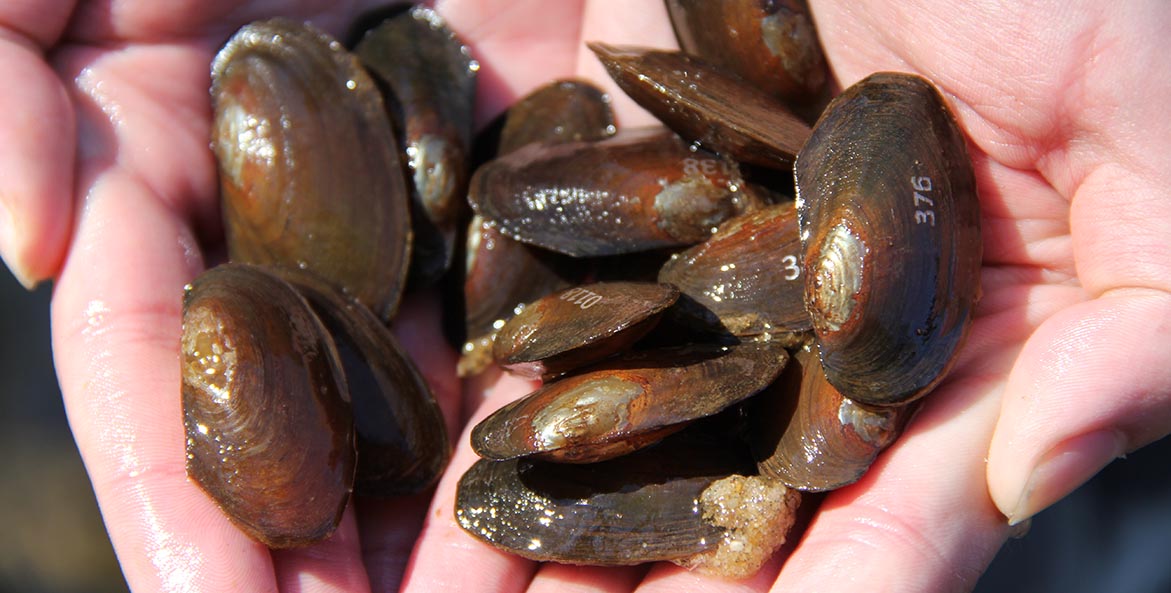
(109, 189)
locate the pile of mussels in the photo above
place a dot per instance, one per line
(710, 345)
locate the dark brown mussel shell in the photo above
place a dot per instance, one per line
(890, 223)
(579, 326)
(402, 439)
(503, 273)
(640, 190)
(684, 500)
(430, 80)
(268, 421)
(308, 163)
(561, 111)
(701, 103)
(810, 437)
(625, 404)
(772, 44)
(744, 280)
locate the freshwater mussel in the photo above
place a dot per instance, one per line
(309, 169)
(764, 279)
(674, 454)
(886, 203)
(295, 392)
(265, 406)
(430, 80)
(503, 273)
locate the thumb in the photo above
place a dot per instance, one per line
(1091, 384)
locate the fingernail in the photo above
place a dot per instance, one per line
(1066, 466)
(8, 248)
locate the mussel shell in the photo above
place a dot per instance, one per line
(890, 223)
(668, 502)
(625, 404)
(579, 326)
(402, 438)
(810, 437)
(268, 422)
(430, 80)
(637, 191)
(773, 45)
(308, 163)
(746, 279)
(701, 103)
(558, 112)
(502, 273)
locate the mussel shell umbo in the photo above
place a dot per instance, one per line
(744, 280)
(308, 163)
(501, 272)
(640, 190)
(402, 438)
(772, 44)
(686, 500)
(578, 326)
(810, 437)
(267, 417)
(703, 104)
(430, 80)
(890, 224)
(625, 404)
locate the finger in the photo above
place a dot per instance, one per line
(566, 578)
(447, 558)
(36, 163)
(153, 127)
(519, 45)
(636, 22)
(921, 518)
(331, 565)
(389, 527)
(116, 324)
(664, 578)
(417, 326)
(1093, 384)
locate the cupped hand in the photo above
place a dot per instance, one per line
(108, 186)
(1068, 364)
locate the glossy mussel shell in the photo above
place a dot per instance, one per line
(561, 111)
(619, 406)
(772, 44)
(703, 104)
(268, 423)
(430, 80)
(579, 326)
(684, 500)
(890, 223)
(744, 280)
(501, 272)
(640, 190)
(810, 437)
(308, 163)
(402, 439)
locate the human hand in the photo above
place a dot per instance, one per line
(1062, 104)
(142, 167)
(112, 187)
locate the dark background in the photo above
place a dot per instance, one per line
(1112, 536)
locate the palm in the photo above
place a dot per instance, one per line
(125, 149)
(134, 81)
(923, 519)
